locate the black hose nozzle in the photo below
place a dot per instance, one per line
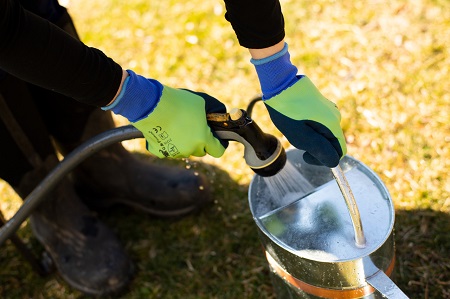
(263, 152)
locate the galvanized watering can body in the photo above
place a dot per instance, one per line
(309, 240)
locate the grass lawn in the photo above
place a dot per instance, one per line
(386, 65)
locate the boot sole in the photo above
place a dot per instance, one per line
(87, 291)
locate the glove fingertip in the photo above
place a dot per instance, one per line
(224, 143)
(216, 151)
(308, 158)
(343, 145)
(328, 162)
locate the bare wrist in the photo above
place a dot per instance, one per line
(124, 76)
(266, 52)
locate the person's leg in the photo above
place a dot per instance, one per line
(86, 253)
(15, 101)
(114, 175)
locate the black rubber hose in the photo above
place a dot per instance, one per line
(78, 155)
(252, 104)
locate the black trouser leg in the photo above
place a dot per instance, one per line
(14, 163)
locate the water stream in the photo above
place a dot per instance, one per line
(288, 181)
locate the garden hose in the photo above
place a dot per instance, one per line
(263, 154)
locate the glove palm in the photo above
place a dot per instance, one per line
(310, 122)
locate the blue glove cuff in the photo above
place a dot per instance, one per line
(138, 97)
(275, 73)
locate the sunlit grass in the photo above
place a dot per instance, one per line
(386, 65)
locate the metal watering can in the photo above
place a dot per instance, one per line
(319, 245)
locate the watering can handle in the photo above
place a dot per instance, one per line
(342, 182)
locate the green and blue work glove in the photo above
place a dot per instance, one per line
(309, 121)
(173, 121)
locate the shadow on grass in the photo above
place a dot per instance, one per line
(216, 252)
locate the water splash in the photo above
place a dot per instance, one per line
(288, 181)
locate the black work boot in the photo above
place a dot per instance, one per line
(86, 253)
(114, 176)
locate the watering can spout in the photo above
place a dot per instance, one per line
(381, 282)
(385, 286)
